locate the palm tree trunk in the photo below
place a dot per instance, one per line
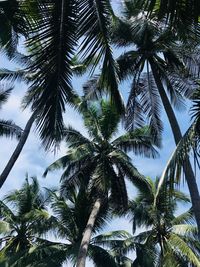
(189, 174)
(17, 150)
(81, 260)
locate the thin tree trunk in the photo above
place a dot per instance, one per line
(81, 260)
(189, 174)
(17, 151)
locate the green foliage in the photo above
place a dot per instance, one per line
(100, 162)
(157, 64)
(95, 26)
(188, 145)
(168, 238)
(22, 217)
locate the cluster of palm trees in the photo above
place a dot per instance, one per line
(29, 214)
(65, 38)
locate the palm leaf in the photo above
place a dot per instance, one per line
(139, 141)
(75, 139)
(186, 217)
(145, 92)
(183, 248)
(48, 254)
(186, 231)
(100, 256)
(177, 160)
(52, 88)
(17, 75)
(4, 227)
(4, 94)
(185, 12)
(10, 129)
(95, 21)
(107, 239)
(121, 34)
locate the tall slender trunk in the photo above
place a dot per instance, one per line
(17, 150)
(189, 174)
(81, 260)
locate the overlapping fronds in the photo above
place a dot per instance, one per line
(95, 25)
(51, 44)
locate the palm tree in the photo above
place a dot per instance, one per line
(71, 216)
(188, 145)
(22, 219)
(54, 28)
(17, 151)
(78, 67)
(67, 223)
(101, 162)
(169, 240)
(7, 127)
(156, 50)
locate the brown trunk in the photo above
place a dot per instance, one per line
(189, 174)
(81, 260)
(17, 151)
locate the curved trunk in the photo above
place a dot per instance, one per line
(189, 174)
(17, 151)
(81, 260)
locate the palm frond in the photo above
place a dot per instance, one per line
(4, 94)
(182, 84)
(75, 139)
(139, 141)
(48, 254)
(95, 21)
(109, 120)
(190, 55)
(185, 231)
(106, 239)
(181, 12)
(52, 37)
(129, 171)
(26, 198)
(129, 63)
(60, 163)
(177, 161)
(10, 129)
(16, 75)
(119, 195)
(4, 227)
(149, 99)
(92, 89)
(182, 247)
(6, 212)
(100, 256)
(66, 224)
(121, 33)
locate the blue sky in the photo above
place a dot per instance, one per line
(33, 159)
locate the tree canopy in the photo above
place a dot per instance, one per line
(140, 60)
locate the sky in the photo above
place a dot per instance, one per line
(34, 159)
